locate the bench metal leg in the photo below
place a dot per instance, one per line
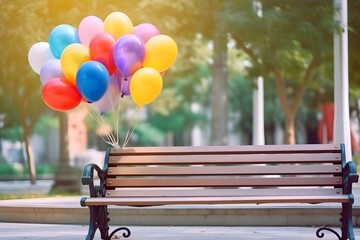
(320, 234)
(99, 220)
(103, 221)
(125, 234)
(347, 229)
(92, 224)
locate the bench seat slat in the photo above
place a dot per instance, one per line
(157, 159)
(223, 150)
(156, 201)
(224, 170)
(226, 182)
(205, 192)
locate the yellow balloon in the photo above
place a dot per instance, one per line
(145, 86)
(118, 24)
(72, 58)
(160, 52)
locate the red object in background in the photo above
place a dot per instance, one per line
(326, 124)
(326, 127)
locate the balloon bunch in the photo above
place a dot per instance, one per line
(100, 61)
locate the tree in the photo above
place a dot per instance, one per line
(354, 58)
(205, 19)
(22, 104)
(288, 43)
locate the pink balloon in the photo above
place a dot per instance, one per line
(145, 31)
(89, 27)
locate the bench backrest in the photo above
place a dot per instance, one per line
(225, 170)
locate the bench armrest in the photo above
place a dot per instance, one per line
(350, 176)
(88, 179)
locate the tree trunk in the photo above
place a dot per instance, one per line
(64, 141)
(67, 179)
(29, 156)
(289, 110)
(289, 131)
(219, 97)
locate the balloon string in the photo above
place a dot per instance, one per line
(129, 133)
(97, 124)
(115, 120)
(110, 139)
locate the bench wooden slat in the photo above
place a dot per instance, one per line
(224, 170)
(223, 150)
(225, 159)
(235, 192)
(156, 201)
(223, 181)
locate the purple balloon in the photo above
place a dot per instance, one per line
(51, 69)
(111, 97)
(145, 31)
(129, 53)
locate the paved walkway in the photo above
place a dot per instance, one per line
(12, 231)
(31, 231)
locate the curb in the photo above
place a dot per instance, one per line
(202, 215)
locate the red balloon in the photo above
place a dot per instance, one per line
(101, 50)
(60, 94)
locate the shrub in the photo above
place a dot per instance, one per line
(7, 169)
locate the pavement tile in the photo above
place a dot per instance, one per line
(12, 231)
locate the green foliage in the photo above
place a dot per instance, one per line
(37, 195)
(354, 39)
(287, 41)
(46, 121)
(20, 86)
(147, 135)
(7, 169)
(44, 169)
(240, 98)
(21, 196)
(356, 159)
(13, 133)
(288, 35)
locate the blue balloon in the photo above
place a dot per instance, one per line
(62, 36)
(92, 80)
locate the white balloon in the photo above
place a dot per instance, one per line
(38, 54)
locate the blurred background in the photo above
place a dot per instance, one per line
(225, 49)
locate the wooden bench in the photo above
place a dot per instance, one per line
(152, 176)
